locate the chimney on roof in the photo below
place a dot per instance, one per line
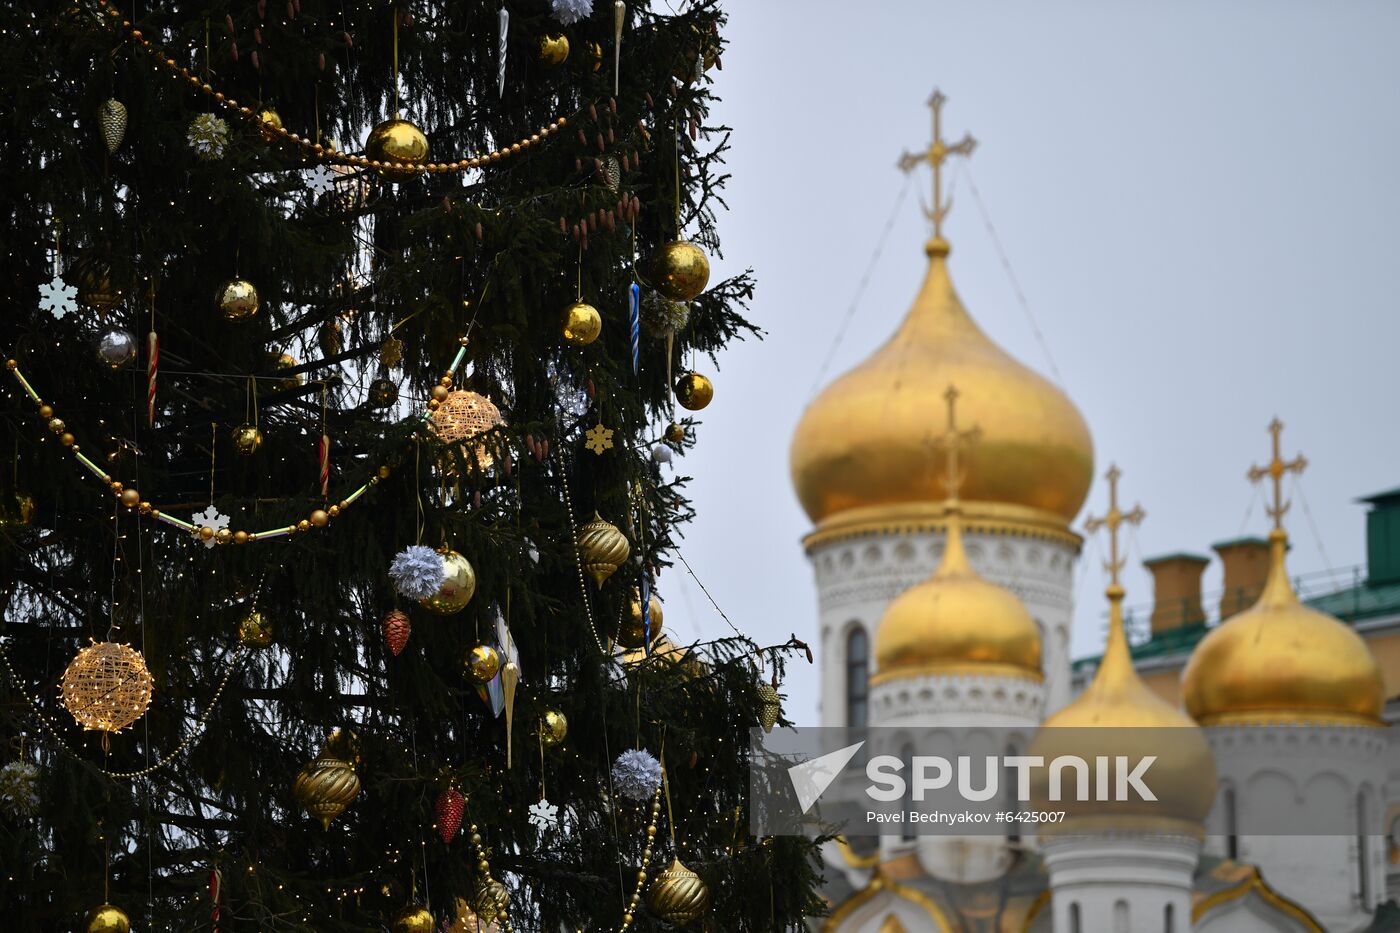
(1246, 563)
(1176, 586)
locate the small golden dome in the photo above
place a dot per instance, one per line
(866, 440)
(956, 622)
(1280, 661)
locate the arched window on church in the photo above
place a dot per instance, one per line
(1232, 838)
(1120, 917)
(857, 678)
(1169, 919)
(1363, 878)
(1076, 925)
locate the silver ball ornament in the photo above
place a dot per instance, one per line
(116, 347)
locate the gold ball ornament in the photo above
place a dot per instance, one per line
(254, 630)
(269, 122)
(581, 324)
(678, 895)
(16, 511)
(675, 432)
(463, 415)
(552, 50)
(413, 920)
(383, 393)
(491, 900)
(680, 270)
(554, 727)
(770, 706)
(287, 361)
(107, 687)
(456, 591)
(595, 56)
(327, 784)
(602, 548)
(107, 919)
(482, 663)
(633, 631)
(237, 300)
(397, 141)
(246, 440)
(694, 391)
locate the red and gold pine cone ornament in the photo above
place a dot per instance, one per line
(448, 810)
(396, 631)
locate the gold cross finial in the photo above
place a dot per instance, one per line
(1115, 518)
(952, 443)
(1276, 470)
(936, 153)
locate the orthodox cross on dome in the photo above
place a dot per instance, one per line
(936, 153)
(1276, 470)
(952, 442)
(1115, 519)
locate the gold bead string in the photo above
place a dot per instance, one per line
(130, 497)
(313, 148)
(578, 560)
(630, 913)
(47, 725)
(483, 865)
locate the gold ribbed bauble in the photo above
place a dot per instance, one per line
(111, 117)
(397, 141)
(383, 393)
(413, 920)
(602, 548)
(864, 443)
(16, 510)
(254, 630)
(462, 416)
(1281, 662)
(581, 324)
(456, 590)
(633, 632)
(237, 300)
(107, 919)
(552, 50)
(678, 895)
(107, 687)
(246, 440)
(554, 727)
(269, 121)
(328, 784)
(770, 706)
(694, 391)
(490, 900)
(482, 663)
(680, 270)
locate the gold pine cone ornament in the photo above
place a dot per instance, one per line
(328, 784)
(680, 270)
(456, 590)
(413, 920)
(678, 895)
(602, 548)
(107, 919)
(111, 117)
(770, 706)
(397, 141)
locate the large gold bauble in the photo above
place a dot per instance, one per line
(107, 919)
(246, 440)
(269, 122)
(16, 511)
(491, 900)
(694, 391)
(678, 895)
(552, 50)
(397, 141)
(254, 630)
(383, 393)
(554, 727)
(237, 300)
(581, 324)
(602, 548)
(287, 361)
(482, 663)
(107, 687)
(632, 634)
(413, 920)
(456, 591)
(462, 416)
(680, 270)
(326, 785)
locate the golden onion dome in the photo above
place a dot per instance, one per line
(1280, 661)
(958, 623)
(1143, 724)
(866, 442)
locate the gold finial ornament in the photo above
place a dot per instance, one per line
(491, 900)
(1117, 698)
(678, 895)
(1280, 661)
(107, 686)
(935, 155)
(107, 919)
(328, 784)
(602, 548)
(955, 622)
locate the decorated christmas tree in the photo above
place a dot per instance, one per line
(347, 384)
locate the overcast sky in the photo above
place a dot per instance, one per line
(1199, 200)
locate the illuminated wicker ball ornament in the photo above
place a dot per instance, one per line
(107, 687)
(463, 415)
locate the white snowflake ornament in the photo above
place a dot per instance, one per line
(58, 297)
(544, 814)
(210, 518)
(320, 180)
